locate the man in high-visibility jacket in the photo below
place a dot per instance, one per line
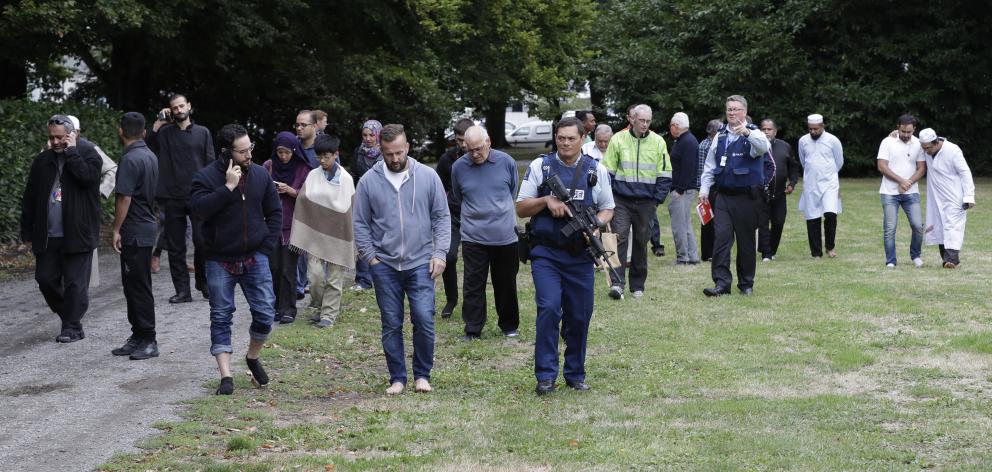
(641, 176)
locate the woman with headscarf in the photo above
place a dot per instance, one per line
(288, 167)
(366, 155)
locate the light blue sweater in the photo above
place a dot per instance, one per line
(402, 229)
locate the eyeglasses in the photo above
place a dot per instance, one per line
(244, 152)
(734, 110)
(302, 125)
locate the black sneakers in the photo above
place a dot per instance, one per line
(129, 346)
(145, 350)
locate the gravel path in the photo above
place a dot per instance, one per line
(72, 406)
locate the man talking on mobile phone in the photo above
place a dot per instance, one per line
(60, 219)
(183, 148)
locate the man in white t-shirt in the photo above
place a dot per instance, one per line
(901, 162)
(601, 139)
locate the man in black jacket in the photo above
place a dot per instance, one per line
(242, 215)
(771, 220)
(60, 219)
(183, 148)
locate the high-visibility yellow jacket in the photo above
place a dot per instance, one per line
(639, 167)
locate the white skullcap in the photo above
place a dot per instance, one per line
(928, 135)
(814, 119)
(681, 120)
(75, 121)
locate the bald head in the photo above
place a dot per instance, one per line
(477, 144)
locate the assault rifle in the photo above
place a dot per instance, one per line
(583, 219)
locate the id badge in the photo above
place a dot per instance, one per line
(723, 161)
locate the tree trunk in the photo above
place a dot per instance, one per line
(13, 79)
(495, 113)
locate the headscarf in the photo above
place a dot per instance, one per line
(376, 127)
(284, 172)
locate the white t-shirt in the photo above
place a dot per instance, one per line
(397, 178)
(902, 159)
(592, 151)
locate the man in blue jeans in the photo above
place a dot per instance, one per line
(242, 216)
(901, 162)
(403, 229)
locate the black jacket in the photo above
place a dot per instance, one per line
(239, 223)
(181, 153)
(80, 198)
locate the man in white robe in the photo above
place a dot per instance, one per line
(950, 194)
(821, 155)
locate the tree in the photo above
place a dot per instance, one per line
(860, 64)
(500, 50)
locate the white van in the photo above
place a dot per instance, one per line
(531, 134)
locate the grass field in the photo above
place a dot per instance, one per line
(833, 364)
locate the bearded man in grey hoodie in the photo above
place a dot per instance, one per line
(403, 229)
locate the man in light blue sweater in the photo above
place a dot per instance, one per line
(403, 229)
(484, 184)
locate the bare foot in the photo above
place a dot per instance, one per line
(422, 386)
(831, 253)
(395, 389)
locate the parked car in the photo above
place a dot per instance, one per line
(531, 134)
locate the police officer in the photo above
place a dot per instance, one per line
(734, 167)
(562, 268)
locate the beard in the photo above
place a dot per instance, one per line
(180, 116)
(397, 166)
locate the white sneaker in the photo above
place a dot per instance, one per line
(638, 293)
(767, 259)
(890, 265)
(918, 262)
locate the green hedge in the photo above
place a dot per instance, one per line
(23, 133)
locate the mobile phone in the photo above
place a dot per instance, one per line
(165, 116)
(964, 206)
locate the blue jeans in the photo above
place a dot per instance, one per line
(363, 273)
(256, 284)
(390, 287)
(910, 203)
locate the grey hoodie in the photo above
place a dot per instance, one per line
(402, 229)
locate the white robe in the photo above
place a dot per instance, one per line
(949, 186)
(821, 160)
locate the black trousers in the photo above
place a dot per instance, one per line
(64, 280)
(735, 217)
(770, 225)
(637, 213)
(950, 255)
(176, 211)
(283, 266)
(502, 263)
(136, 279)
(450, 274)
(816, 242)
(706, 233)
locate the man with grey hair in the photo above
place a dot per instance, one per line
(706, 230)
(601, 139)
(685, 188)
(60, 220)
(641, 176)
(484, 185)
(735, 168)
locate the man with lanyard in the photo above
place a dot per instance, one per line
(734, 166)
(562, 268)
